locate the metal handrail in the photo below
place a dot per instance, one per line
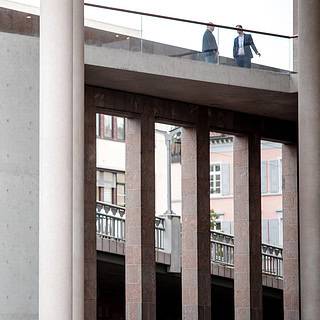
(111, 224)
(187, 20)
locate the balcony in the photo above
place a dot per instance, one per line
(110, 226)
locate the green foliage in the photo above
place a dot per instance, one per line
(213, 219)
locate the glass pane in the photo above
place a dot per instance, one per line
(107, 126)
(98, 125)
(120, 194)
(120, 128)
(120, 177)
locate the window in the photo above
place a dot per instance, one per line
(119, 128)
(215, 178)
(176, 148)
(271, 176)
(111, 187)
(109, 127)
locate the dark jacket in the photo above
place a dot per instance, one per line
(247, 44)
(209, 42)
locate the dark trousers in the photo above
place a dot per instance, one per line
(243, 61)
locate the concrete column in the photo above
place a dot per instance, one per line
(56, 163)
(140, 218)
(290, 233)
(90, 253)
(196, 273)
(309, 157)
(247, 228)
(78, 160)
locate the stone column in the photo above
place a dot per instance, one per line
(196, 273)
(56, 160)
(140, 218)
(90, 253)
(290, 233)
(78, 160)
(247, 229)
(309, 157)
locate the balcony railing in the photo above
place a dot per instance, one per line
(110, 224)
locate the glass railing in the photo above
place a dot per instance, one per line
(167, 36)
(185, 39)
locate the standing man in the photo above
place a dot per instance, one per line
(242, 48)
(209, 45)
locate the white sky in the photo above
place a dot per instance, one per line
(273, 16)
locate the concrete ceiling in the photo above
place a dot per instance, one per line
(254, 101)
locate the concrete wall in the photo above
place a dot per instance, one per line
(19, 91)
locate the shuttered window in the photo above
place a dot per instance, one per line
(264, 177)
(274, 179)
(225, 172)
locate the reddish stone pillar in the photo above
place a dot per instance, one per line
(247, 227)
(196, 274)
(90, 259)
(290, 233)
(140, 219)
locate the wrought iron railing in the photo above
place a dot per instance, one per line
(222, 248)
(110, 223)
(272, 261)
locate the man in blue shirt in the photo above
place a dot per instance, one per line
(242, 48)
(209, 45)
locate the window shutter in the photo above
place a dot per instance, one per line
(280, 174)
(265, 235)
(274, 176)
(274, 232)
(226, 226)
(225, 172)
(264, 177)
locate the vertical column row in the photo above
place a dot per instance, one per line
(196, 272)
(247, 226)
(290, 233)
(140, 219)
(90, 256)
(309, 156)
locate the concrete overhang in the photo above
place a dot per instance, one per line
(253, 91)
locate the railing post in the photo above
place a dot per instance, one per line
(247, 226)
(173, 241)
(196, 273)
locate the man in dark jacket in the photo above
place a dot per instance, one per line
(242, 48)
(209, 45)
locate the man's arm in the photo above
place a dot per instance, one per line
(253, 46)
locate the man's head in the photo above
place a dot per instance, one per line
(210, 26)
(239, 29)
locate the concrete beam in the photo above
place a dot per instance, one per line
(174, 112)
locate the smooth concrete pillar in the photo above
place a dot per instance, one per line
(56, 160)
(309, 156)
(140, 273)
(90, 252)
(247, 228)
(78, 160)
(290, 233)
(196, 272)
